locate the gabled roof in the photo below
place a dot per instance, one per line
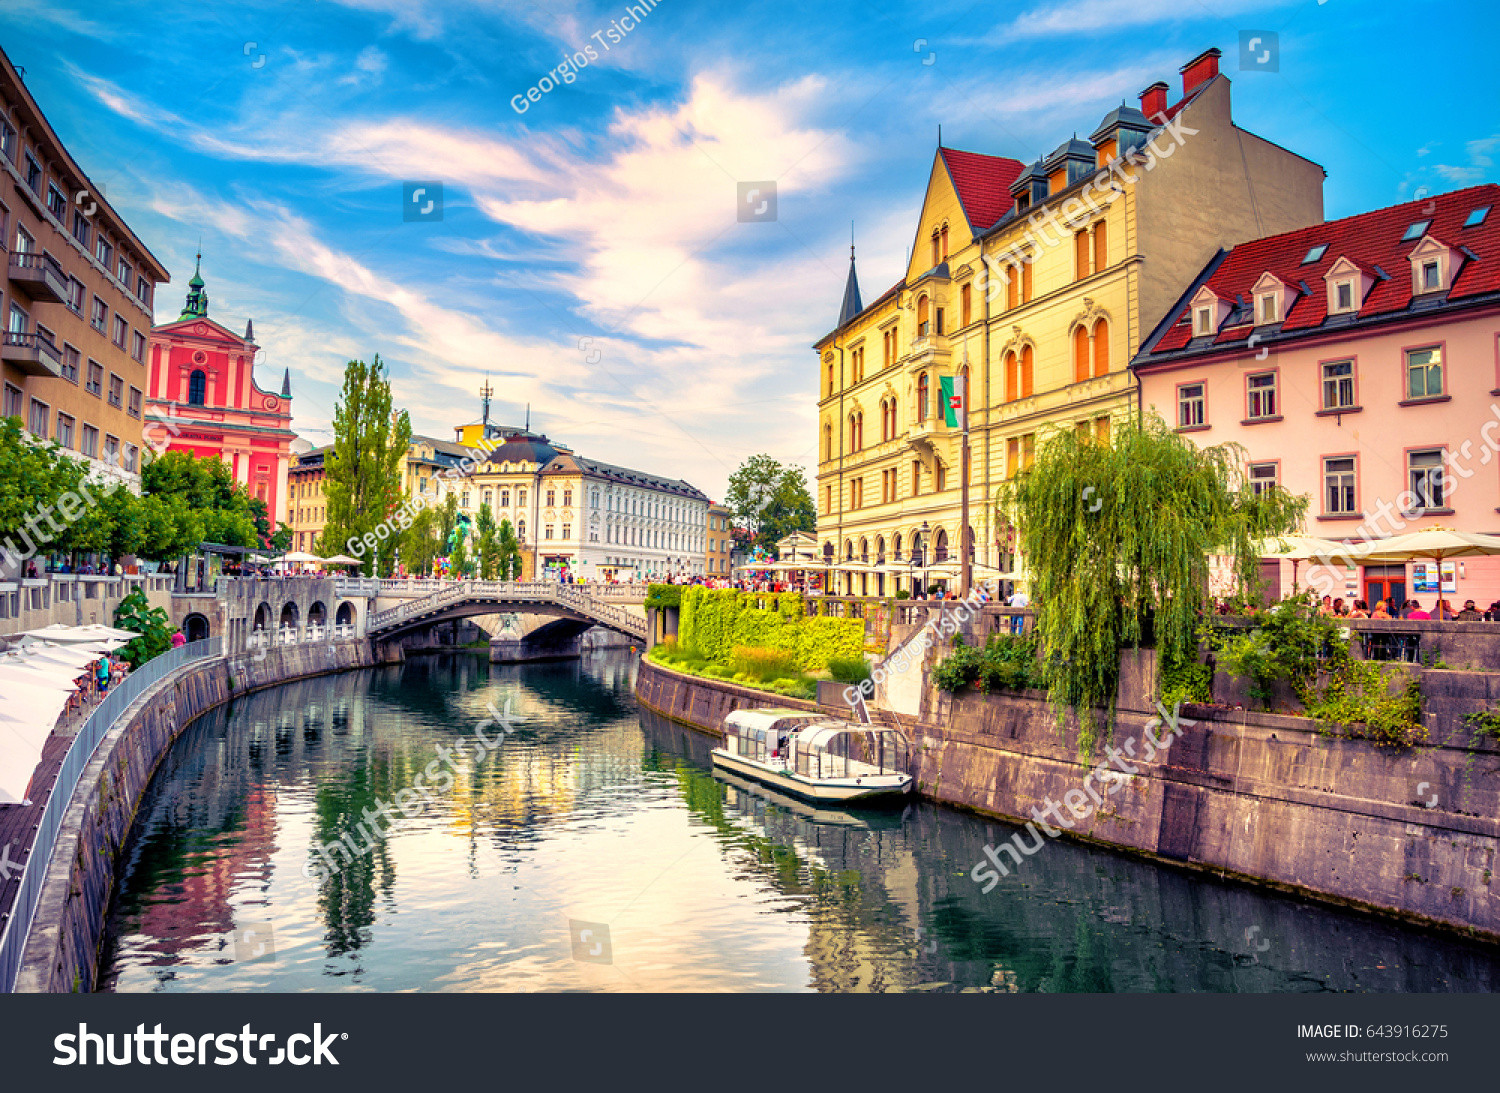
(1373, 241)
(982, 183)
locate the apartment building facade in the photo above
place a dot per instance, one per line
(77, 299)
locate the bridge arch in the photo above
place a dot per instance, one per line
(346, 614)
(195, 627)
(290, 614)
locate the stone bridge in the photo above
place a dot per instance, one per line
(566, 611)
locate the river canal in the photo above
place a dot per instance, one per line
(594, 850)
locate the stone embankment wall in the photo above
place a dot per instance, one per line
(1266, 798)
(62, 950)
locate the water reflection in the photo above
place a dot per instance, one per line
(595, 810)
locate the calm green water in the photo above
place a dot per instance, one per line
(598, 816)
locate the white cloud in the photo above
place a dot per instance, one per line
(1082, 16)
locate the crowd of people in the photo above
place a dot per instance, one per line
(95, 679)
(1409, 609)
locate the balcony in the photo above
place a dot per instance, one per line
(33, 354)
(38, 275)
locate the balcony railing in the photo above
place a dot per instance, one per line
(34, 354)
(39, 275)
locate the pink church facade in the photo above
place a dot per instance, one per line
(1357, 362)
(203, 388)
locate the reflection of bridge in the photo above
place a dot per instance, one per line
(574, 607)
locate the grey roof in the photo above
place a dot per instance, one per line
(626, 477)
(851, 305)
(1032, 173)
(1070, 149)
(1122, 116)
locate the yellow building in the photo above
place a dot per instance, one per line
(1037, 283)
(306, 505)
(720, 542)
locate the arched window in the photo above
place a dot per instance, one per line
(895, 426)
(896, 547)
(197, 388)
(940, 546)
(848, 550)
(1080, 354)
(945, 242)
(827, 441)
(1027, 361)
(1101, 347)
(879, 549)
(936, 246)
(923, 391)
(1026, 281)
(1101, 246)
(923, 329)
(864, 550)
(1012, 379)
(830, 375)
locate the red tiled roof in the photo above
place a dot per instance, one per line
(1369, 239)
(983, 184)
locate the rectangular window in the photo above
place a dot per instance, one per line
(116, 390)
(122, 331)
(138, 346)
(20, 322)
(123, 273)
(1424, 373)
(82, 229)
(1344, 295)
(551, 500)
(134, 407)
(1431, 276)
(88, 443)
(1339, 486)
(75, 295)
(33, 174)
(12, 401)
(57, 203)
(111, 450)
(1260, 395)
(64, 430)
(1338, 385)
(41, 415)
(1425, 478)
(95, 384)
(547, 531)
(7, 141)
(1203, 322)
(1263, 477)
(103, 251)
(143, 290)
(1269, 311)
(99, 315)
(25, 244)
(965, 305)
(567, 530)
(1191, 408)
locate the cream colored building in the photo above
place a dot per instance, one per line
(1037, 284)
(720, 542)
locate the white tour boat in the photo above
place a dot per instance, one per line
(815, 757)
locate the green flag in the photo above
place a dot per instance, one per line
(955, 404)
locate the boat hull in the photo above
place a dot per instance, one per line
(866, 790)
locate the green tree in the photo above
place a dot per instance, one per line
(33, 478)
(507, 552)
(771, 500)
(458, 561)
(151, 624)
(419, 543)
(1117, 538)
(364, 468)
(282, 540)
(489, 548)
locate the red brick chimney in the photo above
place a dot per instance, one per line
(1154, 100)
(1199, 70)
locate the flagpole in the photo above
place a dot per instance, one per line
(965, 569)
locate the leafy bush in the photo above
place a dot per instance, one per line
(151, 623)
(663, 595)
(849, 669)
(1007, 662)
(715, 621)
(763, 665)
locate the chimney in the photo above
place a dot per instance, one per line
(1199, 70)
(1154, 100)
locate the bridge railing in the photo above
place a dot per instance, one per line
(577, 597)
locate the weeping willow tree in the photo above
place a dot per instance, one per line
(1117, 538)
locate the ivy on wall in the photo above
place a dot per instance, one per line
(716, 621)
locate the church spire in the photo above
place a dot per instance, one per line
(286, 384)
(851, 305)
(197, 298)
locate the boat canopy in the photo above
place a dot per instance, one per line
(840, 749)
(757, 734)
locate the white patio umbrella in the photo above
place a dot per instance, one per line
(299, 556)
(1307, 548)
(27, 720)
(93, 632)
(1434, 544)
(342, 559)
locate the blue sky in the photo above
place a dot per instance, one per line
(283, 133)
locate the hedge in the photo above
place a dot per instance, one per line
(714, 621)
(663, 595)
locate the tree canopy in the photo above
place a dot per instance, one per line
(1117, 538)
(770, 499)
(364, 469)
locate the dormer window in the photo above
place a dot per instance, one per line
(1343, 296)
(1203, 322)
(1267, 308)
(1208, 312)
(1432, 275)
(1433, 266)
(1416, 230)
